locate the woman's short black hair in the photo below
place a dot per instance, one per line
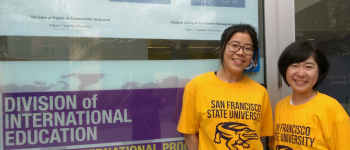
(299, 52)
(232, 30)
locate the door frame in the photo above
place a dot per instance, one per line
(279, 33)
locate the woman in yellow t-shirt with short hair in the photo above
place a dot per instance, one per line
(308, 119)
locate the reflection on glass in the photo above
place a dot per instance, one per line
(327, 22)
(20, 48)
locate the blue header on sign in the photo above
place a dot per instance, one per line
(219, 3)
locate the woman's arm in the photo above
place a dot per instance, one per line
(191, 141)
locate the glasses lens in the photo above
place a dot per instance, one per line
(248, 50)
(233, 47)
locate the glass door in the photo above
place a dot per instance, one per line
(107, 74)
(327, 22)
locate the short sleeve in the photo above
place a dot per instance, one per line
(340, 137)
(266, 117)
(188, 123)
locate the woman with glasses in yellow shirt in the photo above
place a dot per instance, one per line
(226, 109)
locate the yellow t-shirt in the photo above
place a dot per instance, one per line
(227, 115)
(320, 124)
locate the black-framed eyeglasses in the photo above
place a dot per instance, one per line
(234, 47)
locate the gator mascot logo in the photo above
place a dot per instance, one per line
(235, 134)
(282, 147)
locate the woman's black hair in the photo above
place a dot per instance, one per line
(230, 31)
(298, 52)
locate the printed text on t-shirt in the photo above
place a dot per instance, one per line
(236, 110)
(295, 134)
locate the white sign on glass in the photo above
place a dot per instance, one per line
(144, 19)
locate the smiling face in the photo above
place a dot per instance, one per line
(236, 62)
(302, 76)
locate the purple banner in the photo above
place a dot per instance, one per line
(56, 119)
(176, 145)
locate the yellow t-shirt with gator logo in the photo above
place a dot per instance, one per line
(227, 116)
(320, 124)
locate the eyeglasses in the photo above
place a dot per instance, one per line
(234, 47)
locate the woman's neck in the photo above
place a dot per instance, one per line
(229, 77)
(302, 98)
